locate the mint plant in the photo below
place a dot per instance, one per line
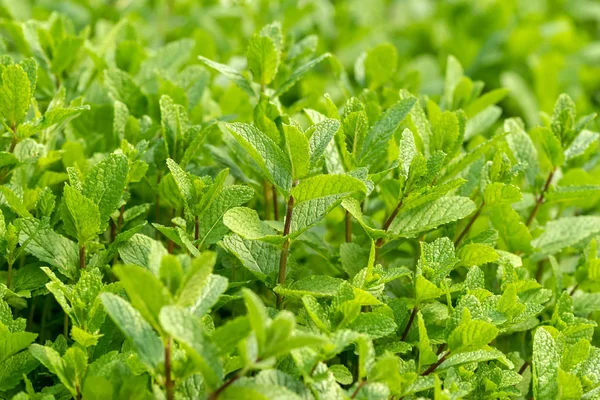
(282, 200)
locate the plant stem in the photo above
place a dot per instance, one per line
(215, 395)
(285, 249)
(169, 386)
(540, 199)
(386, 225)
(14, 141)
(469, 224)
(539, 273)
(266, 195)
(275, 205)
(196, 228)
(82, 257)
(66, 325)
(113, 230)
(157, 207)
(437, 364)
(441, 348)
(9, 276)
(348, 220)
(360, 385)
(523, 367)
(572, 292)
(411, 319)
(120, 220)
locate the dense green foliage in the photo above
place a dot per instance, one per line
(299, 200)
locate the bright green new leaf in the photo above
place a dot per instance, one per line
(15, 95)
(263, 59)
(326, 185)
(431, 215)
(85, 214)
(546, 361)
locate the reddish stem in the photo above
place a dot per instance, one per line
(348, 220)
(437, 364)
(411, 319)
(540, 199)
(469, 224)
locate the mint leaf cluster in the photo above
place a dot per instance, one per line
(299, 200)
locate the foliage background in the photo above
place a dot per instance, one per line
(88, 161)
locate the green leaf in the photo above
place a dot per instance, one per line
(476, 356)
(522, 148)
(257, 315)
(477, 254)
(212, 229)
(143, 251)
(298, 73)
(104, 184)
(341, 373)
(298, 151)
(13, 369)
(121, 87)
(500, 193)
(563, 119)
(471, 335)
(235, 76)
(15, 95)
(582, 142)
(269, 157)
(425, 290)
(550, 146)
(431, 215)
(326, 185)
(426, 355)
(569, 386)
(483, 102)
(565, 232)
(567, 193)
(48, 246)
(15, 202)
(313, 285)
(511, 229)
(374, 325)
(379, 135)
(145, 291)
(317, 313)
(186, 188)
(320, 136)
(408, 151)
(546, 361)
(246, 223)
(260, 258)
(85, 213)
(380, 65)
(195, 279)
(148, 345)
(187, 329)
(215, 286)
(263, 58)
(13, 342)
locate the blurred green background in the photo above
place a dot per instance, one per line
(536, 48)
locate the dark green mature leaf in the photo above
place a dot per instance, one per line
(147, 343)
